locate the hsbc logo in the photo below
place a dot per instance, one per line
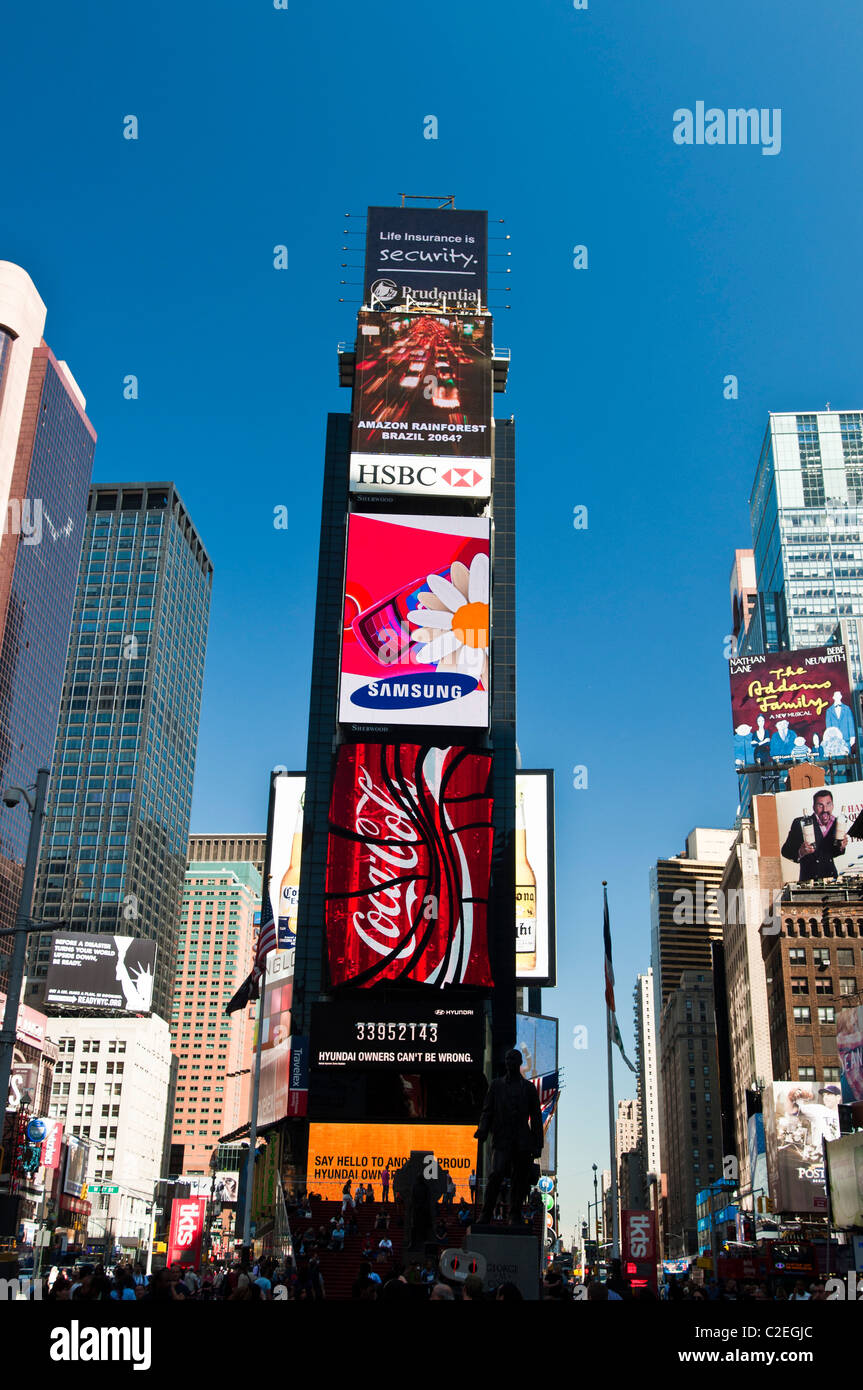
(418, 475)
(461, 477)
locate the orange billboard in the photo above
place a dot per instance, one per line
(361, 1152)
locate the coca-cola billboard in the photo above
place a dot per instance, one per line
(408, 865)
(187, 1230)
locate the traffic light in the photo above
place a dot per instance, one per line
(584, 1231)
(599, 1228)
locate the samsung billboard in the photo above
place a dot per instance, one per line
(416, 628)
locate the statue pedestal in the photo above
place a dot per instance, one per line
(511, 1256)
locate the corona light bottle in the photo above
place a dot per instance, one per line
(525, 899)
(289, 893)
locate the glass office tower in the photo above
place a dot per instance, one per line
(807, 513)
(114, 848)
(46, 459)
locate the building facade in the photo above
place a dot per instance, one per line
(46, 459)
(648, 1073)
(814, 968)
(691, 1133)
(749, 890)
(214, 1052)
(116, 830)
(685, 915)
(228, 849)
(806, 508)
(111, 1090)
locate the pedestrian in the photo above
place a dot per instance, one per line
(385, 1184)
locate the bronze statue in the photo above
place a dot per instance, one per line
(513, 1116)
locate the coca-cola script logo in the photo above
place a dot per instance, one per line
(408, 865)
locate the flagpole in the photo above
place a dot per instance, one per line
(253, 1122)
(615, 1229)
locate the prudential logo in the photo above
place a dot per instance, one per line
(77, 1343)
(737, 126)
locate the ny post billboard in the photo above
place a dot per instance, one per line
(416, 629)
(426, 256)
(422, 407)
(798, 1117)
(409, 865)
(791, 706)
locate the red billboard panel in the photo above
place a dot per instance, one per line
(408, 865)
(51, 1144)
(187, 1230)
(639, 1237)
(792, 706)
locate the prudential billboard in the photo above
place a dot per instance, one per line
(418, 257)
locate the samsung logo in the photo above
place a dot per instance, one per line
(412, 694)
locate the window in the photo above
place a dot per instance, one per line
(826, 1013)
(824, 985)
(802, 1013)
(821, 955)
(845, 956)
(807, 1073)
(800, 984)
(797, 955)
(847, 984)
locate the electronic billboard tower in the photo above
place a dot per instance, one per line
(398, 924)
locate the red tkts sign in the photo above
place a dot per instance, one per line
(409, 864)
(639, 1237)
(187, 1230)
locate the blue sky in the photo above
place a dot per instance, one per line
(260, 127)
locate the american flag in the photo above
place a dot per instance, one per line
(609, 982)
(268, 940)
(548, 1087)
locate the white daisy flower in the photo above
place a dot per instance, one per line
(452, 623)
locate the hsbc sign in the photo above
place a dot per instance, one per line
(429, 477)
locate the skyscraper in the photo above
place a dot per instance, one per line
(807, 510)
(214, 956)
(691, 1130)
(46, 458)
(114, 848)
(684, 916)
(413, 710)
